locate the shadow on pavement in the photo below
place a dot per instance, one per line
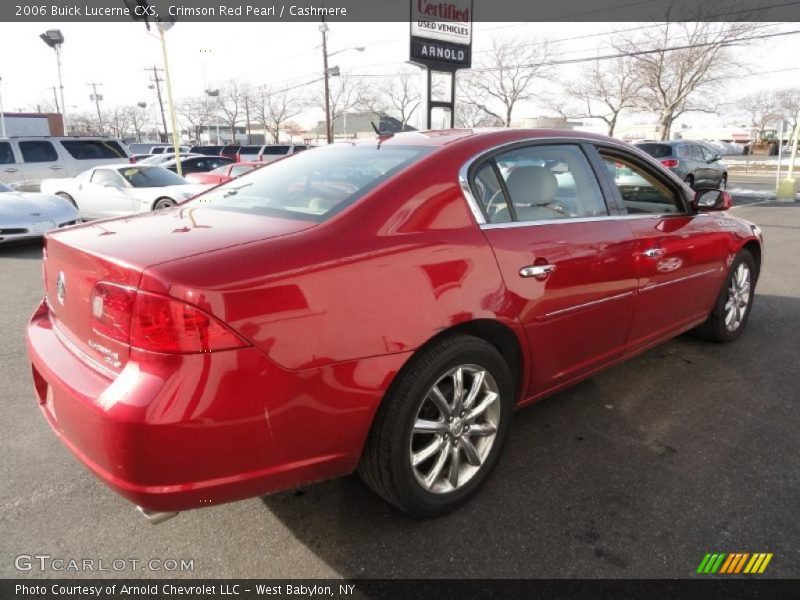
(25, 249)
(637, 472)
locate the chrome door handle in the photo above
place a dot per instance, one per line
(536, 270)
(56, 168)
(11, 170)
(654, 252)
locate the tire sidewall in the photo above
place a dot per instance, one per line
(718, 314)
(412, 494)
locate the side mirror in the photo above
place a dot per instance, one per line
(712, 200)
(717, 157)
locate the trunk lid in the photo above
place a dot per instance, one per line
(119, 250)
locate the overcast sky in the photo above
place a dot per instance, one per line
(284, 54)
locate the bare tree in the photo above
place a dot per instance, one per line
(401, 95)
(196, 113)
(347, 94)
(84, 123)
(506, 76)
(604, 90)
(761, 108)
(788, 104)
(469, 116)
(230, 105)
(687, 78)
(119, 122)
(137, 118)
(274, 109)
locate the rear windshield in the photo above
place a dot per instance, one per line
(313, 185)
(656, 150)
(93, 149)
(146, 177)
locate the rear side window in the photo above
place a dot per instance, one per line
(299, 149)
(93, 149)
(490, 194)
(275, 150)
(656, 150)
(550, 182)
(249, 149)
(6, 154)
(642, 192)
(38, 151)
(684, 151)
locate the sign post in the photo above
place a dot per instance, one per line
(441, 42)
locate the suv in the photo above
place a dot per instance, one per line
(248, 153)
(695, 163)
(26, 160)
(272, 152)
(207, 150)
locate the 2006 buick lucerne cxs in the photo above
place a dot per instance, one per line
(381, 306)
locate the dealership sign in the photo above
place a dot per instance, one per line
(441, 34)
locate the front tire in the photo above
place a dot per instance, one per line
(732, 308)
(441, 428)
(162, 203)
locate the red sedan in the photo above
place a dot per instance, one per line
(224, 173)
(382, 306)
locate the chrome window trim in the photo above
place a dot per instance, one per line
(477, 212)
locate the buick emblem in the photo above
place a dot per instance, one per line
(61, 287)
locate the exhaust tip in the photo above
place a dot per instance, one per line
(154, 516)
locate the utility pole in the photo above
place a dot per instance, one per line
(2, 115)
(55, 98)
(96, 97)
(247, 116)
(324, 29)
(157, 83)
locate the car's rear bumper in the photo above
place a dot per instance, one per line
(181, 432)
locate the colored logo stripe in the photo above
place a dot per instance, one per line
(734, 562)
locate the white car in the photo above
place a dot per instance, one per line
(160, 159)
(123, 189)
(28, 215)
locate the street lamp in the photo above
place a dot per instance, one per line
(327, 74)
(54, 38)
(214, 94)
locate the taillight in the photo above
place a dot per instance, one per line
(157, 323)
(669, 163)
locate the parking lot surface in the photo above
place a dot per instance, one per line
(638, 472)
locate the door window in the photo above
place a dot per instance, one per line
(93, 149)
(707, 155)
(550, 182)
(490, 194)
(697, 153)
(6, 154)
(101, 176)
(685, 151)
(641, 191)
(38, 151)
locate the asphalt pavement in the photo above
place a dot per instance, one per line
(638, 472)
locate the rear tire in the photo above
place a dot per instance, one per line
(689, 180)
(732, 308)
(427, 451)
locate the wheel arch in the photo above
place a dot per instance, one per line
(754, 248)
(157, 200)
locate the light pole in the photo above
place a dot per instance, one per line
(327, 73)
(214, 94)
(2, 114)
(54, 38)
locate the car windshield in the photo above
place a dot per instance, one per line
(223, 170)
(656, 150)
(146, 177)
(5, 188)
(315, 184)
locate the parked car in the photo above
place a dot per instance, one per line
(26, 215)
(224, 173)
(26, 161)
(247, 153)
(118, 190)
(197, 164)
(272, 152)
(235, 346)
(207, 150)
(140, 147)
(160, 159)
(168, 149)
(230, 151)
(696, 164)
(135, 158)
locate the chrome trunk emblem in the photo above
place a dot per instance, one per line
(61, 287)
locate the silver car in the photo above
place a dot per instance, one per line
(26, 215)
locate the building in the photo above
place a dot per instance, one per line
(36, 124)
(353, 125)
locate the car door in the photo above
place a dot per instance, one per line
(713, 167)
(11, 168)
(567, 262)
(680, 255)
(106, 194)
(41, 161)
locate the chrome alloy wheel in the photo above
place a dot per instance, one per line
(738, 297)
(454, 428)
